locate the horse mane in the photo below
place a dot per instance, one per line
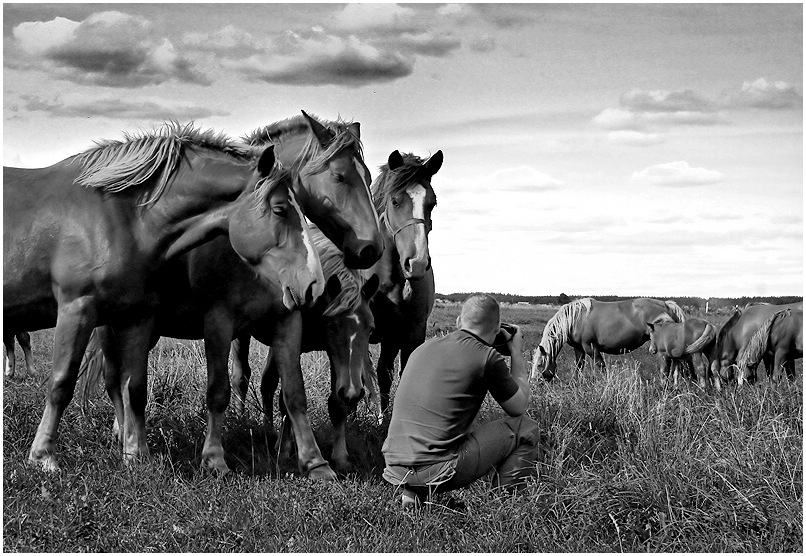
(757, 345)
(312, 158)
(114, 166)
(559, 326)
(389, 182)
(676, 312)
(333, 264)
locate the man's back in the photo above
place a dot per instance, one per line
(439, 395)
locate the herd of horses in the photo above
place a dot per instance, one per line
(281, 236)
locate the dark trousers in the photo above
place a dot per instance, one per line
(510, 446)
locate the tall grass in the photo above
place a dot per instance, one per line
(629, 464)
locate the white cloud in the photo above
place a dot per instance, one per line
(676, 174)
(666, 101)
(762, 94)
(36, 37)
(621, 119)
(358, 17)
(635, 138)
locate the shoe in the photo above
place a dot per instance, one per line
(410, 499)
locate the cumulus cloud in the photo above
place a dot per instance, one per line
(676, 174)
(115, 107)
(228, 40)
(108, 48)
(666, 101)
(428, 44)
(522, 178)
(323, 60)
(621, 119)
(635, 138)
(762, 94)
(375, 17)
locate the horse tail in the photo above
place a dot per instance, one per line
(91, 371)
(723, 331)
(705, 338)
(756, 347)
(675, 311)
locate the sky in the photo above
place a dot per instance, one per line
(590, 149)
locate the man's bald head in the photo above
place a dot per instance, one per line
(480, 315)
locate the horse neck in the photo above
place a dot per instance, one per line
(197, 204)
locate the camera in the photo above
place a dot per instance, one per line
(500, 343)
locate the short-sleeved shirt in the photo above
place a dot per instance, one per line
(439, 395)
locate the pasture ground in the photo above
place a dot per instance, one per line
(632, 464)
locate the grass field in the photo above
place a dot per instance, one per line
(632, 465)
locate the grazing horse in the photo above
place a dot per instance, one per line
(735, 334)
(404, 200)
(780, 339)
(334, 187)
(595, 327)
(24, 340)
(85, 239)
(340, 323)
(684, 343)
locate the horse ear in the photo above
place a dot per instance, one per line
(434, 163)
(459, 322)
(266, 162)
(370, 287)
(395, 160)
(322, 134)
(333, 286)
(355, 129)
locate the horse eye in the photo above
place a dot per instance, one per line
(395, 202)
(280, 211)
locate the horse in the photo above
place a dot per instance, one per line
(778, 340)
(24, 339)
(334, 187)
(595, 327)
(684, 343)
(404, 200)
(206, 295)
(736, 332)
(340, 323)
(85, 239)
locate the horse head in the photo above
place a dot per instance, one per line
(347, 341)
(405, 199)
(333, 185)
(269, 232)
(543, 363)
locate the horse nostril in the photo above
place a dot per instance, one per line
(368, 253)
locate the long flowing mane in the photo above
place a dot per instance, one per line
(333, 264)
(675, 311)
(559, 327)
(312, 159)
(114, 166)
(390, 182)
(757, 346)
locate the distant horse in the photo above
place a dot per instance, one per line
(78, 257)
(684, 343)
(735, 334)
(595, 327)
(24, 339)
(334, 187)
(208, 295)
(340, 323)
(780, 339)
(404, 200)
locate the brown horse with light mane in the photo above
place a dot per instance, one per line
(84, 240)
(778, 341)
(595, 327)
(686, 344)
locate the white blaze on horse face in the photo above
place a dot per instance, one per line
(417, 193)
(313, 263)
(360, 169)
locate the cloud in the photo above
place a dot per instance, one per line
(108, 48)
(377, 18)
(484, 43)
(428, 44)
(114, 107)
(676, 174)
(635, 138)
(324, 60)
(228, 40)
(762, 94)
(621, 119)
(666, 101)
(522, 178)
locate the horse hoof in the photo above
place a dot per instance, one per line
(47, 462)
(342, 465)
(215, 466)
(322, 473)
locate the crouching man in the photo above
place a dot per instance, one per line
(430, 447)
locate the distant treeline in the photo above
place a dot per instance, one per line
(693, 302)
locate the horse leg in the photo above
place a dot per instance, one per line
(699, 372)
(385, 370)
(598, 361)
(218, 332)
(133, 343)
(24, 338)
(338, 416)
(112, 374)
(579, 360)
(241, 371)
(268, 386)
(779, 364)
(11, 361)
(74, 323)
(286, 352)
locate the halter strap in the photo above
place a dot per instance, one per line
(406, 224)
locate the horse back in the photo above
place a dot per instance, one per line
(613, 326)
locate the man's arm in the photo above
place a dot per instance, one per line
(519, 401)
